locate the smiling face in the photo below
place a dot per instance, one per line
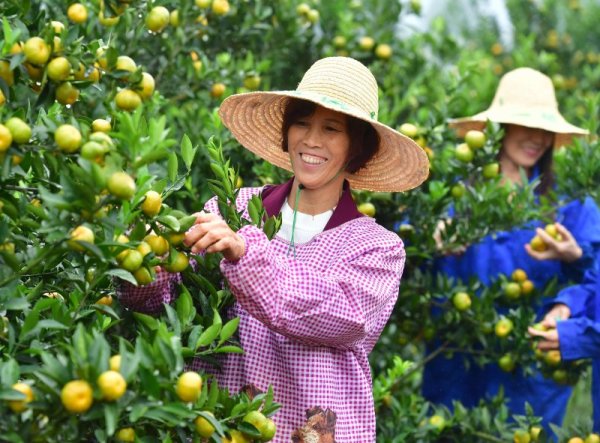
(319, 146)
(524, 146)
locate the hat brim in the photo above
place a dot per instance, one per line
(549, 121)
(255, 120)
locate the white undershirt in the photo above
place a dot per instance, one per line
(307, 226)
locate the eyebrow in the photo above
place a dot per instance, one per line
(335, 120)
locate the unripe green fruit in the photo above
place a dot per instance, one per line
(21, 131)
(152, 204)
(461, 301)
(121, 185)
(158, 18)
(132, 260)
(464, 153)
(475, 139)
(59, 69)
(68, 138)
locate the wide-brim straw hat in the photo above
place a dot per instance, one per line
(524, 97)
(341, 84)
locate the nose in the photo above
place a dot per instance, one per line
(312, 137)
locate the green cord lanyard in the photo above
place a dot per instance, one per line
(292, 245)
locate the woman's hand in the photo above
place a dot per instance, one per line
(438, 234)
(549, 338)
(566, 250)
(210, 233)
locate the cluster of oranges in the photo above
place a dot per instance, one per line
(46, 60)
(77, 396)
(520, 285)
(539, 245)
(307, 14)
(131, 255)
(382, 51)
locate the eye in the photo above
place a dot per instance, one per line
(332, 129)
(301, 123)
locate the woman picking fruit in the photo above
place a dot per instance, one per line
(525, 105)
(313, 300)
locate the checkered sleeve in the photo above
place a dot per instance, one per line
(149, 298)
(337, 305)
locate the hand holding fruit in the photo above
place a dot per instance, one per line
(547, 331)
(438, 237)
(210, 233)
(557, 243)
(549, 339)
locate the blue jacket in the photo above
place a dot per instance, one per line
(447, 378)
(580, 335)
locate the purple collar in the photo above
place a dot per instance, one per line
(274, 196)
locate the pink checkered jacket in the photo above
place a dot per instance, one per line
(307, 324)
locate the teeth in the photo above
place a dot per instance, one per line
(312, 160)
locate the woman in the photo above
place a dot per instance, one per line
(525, 105)
(312, 301)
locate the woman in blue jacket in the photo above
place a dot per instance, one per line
(573, 324)
(525, 105)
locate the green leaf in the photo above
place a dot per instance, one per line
(228, 330)
(187, 151)
(230, 349)
(172, 167)
(159, 153)
(185, 308)
(213, 395)
(148, 321)
(149, 383)
(170, 222)
(186, 222)
(30, 322)
(137, 412)
(111, 417)
(173, 319)
(213, 421)
(254, 211)
(218, 172)
(15, 304)
(9, 372)
(209, 335)
(123, 275)
(248, 429)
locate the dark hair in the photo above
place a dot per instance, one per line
(545, 166)
(364, 139)
(545, 163)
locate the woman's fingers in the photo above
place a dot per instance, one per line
(538, 255)
(548, 239)
(548, 339)
(206, 234)
(564, 232)
(205, 221)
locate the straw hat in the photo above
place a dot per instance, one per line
(524, 97)
(341, 84)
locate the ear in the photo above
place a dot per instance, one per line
(331, 417)
(315, 410)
